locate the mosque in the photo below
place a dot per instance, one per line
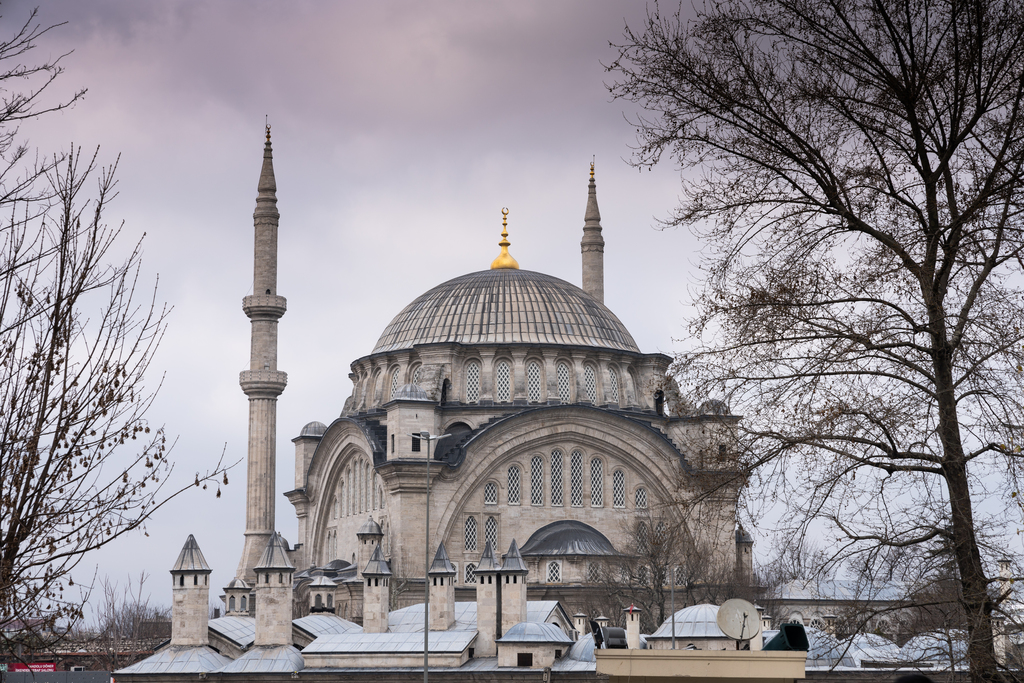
(504, 408)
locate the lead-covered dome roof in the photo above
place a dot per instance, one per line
(506, 306)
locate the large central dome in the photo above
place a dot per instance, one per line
(506, 306)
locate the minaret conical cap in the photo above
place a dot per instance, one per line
(513, 563)
(592, 217)
(191, 559)
(275, 556)
(377, 566)
(267, 182)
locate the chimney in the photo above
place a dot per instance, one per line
(632, 627)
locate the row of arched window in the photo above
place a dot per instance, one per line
(579, 471)
(504, 382)
(358, 492)
(471, 539)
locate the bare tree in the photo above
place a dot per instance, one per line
(79, 464)
(126, 626)
(857, 179)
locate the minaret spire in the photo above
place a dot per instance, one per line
(262, 382)
(504, 259)
(592, 245)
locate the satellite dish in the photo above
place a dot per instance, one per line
(739, 620)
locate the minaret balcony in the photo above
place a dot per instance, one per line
(264, 306)
(263, 383)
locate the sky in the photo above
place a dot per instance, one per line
(400, 130)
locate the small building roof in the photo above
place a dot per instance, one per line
(313, 429)
(239, 630)
(535, 632)
(238, 584)
(410, 392)
(512, 563)
(275, 556)
(317, 625)
(696, 621)
(377, 566)
(179, 659)
(191, 559)
(264, 659)
(441, 566)
(440, 642)
(322, 582)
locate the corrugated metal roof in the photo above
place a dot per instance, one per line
(239, 630)
(535, 632)
(325, 624)
(191, 559)
(440, 642)
(696, 621)
(838, 589)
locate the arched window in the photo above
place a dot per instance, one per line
(342, 487)
(367, 486)
(243, 602)
(318, 601)
(470, 573)
(564, 383)
(533, 381)
(593, 572)
(514, 478)
(643, 536)
(641, 575)
(470, 533)
(472, 381)
(619, 489)
(641, 498)
(375, 499)
(334, 508)
(576, 479)
(596, 483)
(330, 601)
(537, 481)
(554, 572)
(416, 375)
(394, 383)
(380, 497)
(613, 385)
(490, 493)
(556, 477)
(491, 531)
(231, 604)
(503, 382)
(590, 383)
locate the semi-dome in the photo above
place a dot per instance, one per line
(506, 306)
(568, 537)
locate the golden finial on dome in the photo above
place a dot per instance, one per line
(504, 259)
(591, 170)
(268, 138)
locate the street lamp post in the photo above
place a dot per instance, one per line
(428, 437)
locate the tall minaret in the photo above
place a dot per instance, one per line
(262, 382)
(593, 245)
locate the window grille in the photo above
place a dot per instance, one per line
(641, 498)
(470, 573)
(576, 479)
(514, 478)
(613, 385)
(368, 485)
(374, 496)
(415, 444)
(343, 499)
(416, 375)
(680, 576)
(594, 572)
(472, 382)
(590, 383)
(490, 493)
(470, 533)
(359, 487)
(659, 533)
(491, 531)
(503, 382)
(394, 383)
(619, 489)
(556, 477)
(554, 572)
(642, 538)
(537, 481)
(533, 381)
(641, 575)
(564, 387)
(596, 483)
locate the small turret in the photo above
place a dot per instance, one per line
(236, 598)
(488, 603)
(513, 588)
(592, 245)
(632, 627)
(369, 537)
(190, 609)
(321, 595)
(274, 573)
(442, 591)
(376, 593)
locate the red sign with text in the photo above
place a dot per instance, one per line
(35, 666)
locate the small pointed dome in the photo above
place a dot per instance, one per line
(441, 566)
(592, 217)
(322, 582)
(488, 563)
(410, 392)
(191, 559)
(238, 584)
(513, 563)
(377, 566)
(313, 429)
(369, 528)
(276, 555)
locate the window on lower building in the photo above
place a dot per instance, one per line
(564, 383)
(556, 477)
(470, 539)
(641, 498)
(613, 385)
(490, 493)
(491, 531)
(596, 483)
(594, 572)
(590, 383)
(576, 479)
(533, 393)
(470, 573)
(503, 382)
(524, 659)
(514, 478)
(394, 383)
(554, 572)
(537, 481)
(472, 382)
(619, 489)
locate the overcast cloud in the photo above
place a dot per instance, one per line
(400, 130)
